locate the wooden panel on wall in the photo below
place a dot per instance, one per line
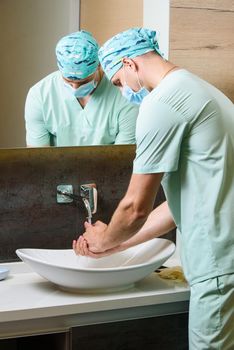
(202, 40)
(105, 18)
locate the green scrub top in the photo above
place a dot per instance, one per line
(185, 129)
(52, 112)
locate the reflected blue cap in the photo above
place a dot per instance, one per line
(130, 43)
(77, 55)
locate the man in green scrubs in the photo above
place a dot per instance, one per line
(185, 139)
(78, 105)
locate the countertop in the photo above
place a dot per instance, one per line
(42, 307)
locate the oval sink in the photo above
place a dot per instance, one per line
(116, 271)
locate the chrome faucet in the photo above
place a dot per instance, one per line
(88, 195)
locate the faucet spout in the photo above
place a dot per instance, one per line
(89, 196)
(88, 208)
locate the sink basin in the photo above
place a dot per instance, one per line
(117, 271)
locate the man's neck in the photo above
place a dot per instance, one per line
(84, 100)
(156, 70)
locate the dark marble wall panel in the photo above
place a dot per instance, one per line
(29, 213)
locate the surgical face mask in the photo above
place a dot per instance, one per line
(83, 90)
(134, 96)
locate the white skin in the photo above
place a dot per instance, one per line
(134, 220)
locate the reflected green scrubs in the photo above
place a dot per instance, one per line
(52, 112)
(185, 129)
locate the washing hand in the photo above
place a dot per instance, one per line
(90, 243)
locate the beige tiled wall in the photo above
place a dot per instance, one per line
(104, 18)
(29, 31)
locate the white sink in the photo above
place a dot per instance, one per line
(111, 273)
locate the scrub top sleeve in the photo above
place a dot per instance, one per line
(127, 124)
(36, 131)
(159, 134)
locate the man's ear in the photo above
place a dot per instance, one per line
(99, 68)
(129, 63)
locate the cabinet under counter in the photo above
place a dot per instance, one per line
(32, 306)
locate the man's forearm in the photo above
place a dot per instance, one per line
(133, 210)
(159, 222)
(123, 225)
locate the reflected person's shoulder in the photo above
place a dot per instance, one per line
(47, 80)
(47, 85)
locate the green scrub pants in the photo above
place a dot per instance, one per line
(211, 314)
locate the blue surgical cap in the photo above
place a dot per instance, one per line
(130, 43)
(77, 55)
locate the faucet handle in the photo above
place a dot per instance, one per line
(89, 192)
(65, 194)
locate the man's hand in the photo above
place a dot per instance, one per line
(92, 240)
(80, 247)
(127, 220)
(90, 243)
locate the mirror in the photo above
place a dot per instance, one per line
(28, 39)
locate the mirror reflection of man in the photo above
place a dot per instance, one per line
(77, 105)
